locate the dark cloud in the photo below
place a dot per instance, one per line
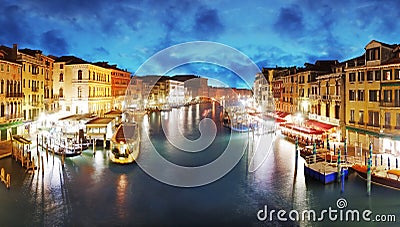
(101, 51)
(15, 29)
(207, 23)
(290, 22)
(53, 42)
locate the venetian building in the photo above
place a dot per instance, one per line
(82, 87)
(35, 68)
(134, 94)
(119, 83)
(11, 118)
(373, 98)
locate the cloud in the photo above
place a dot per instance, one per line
(290, 22)
(53, 42)
(101, 51)
(14, 26)
(207, 23)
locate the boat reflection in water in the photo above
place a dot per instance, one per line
(125, 143)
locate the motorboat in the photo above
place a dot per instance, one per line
(125, 143)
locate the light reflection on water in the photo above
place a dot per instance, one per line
(90, 190)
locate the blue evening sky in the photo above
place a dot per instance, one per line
(269, 32)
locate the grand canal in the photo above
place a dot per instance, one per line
(91, 191)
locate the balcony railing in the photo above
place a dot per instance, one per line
(12, 116)
(14, 95)
(35, 89)
(35, 104)
(389, 104)
(314, 96)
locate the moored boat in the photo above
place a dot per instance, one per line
(323, 172)
(125, 143)
(380, 176)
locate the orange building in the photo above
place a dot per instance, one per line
(119, 83)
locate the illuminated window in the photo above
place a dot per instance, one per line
(361, 117)
(387, 74)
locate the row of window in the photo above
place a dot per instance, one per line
(12, 108)
(93, 92)
(374, 95)
(35, 69)
(373, 118)
(34, 84)
(10, 86)
(97, 77)
(2, 68)
(388, 74)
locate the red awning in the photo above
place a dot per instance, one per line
(302, 129)
(318, 125)
(281, 114)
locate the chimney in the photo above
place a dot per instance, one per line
(14, 51)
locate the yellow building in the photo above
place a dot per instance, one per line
(326, 101)
(10, 93)
(373, 98)
(34, 66)
(81, 86)
(289, 93)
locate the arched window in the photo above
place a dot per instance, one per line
(61, 77)
(61, 93)
(79, 74)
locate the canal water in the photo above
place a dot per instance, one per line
(91, 191)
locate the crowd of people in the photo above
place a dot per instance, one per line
(304, 140)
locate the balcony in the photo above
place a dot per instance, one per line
(14, 95)
(11, 117)
(335, 97)
(35, 104)
(314, 97)
(382, 103)
(35, 89)
(84, 81)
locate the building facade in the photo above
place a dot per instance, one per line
(10, 94)
(373, 98)
(119, 83)
(82, 87)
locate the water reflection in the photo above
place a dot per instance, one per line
(121, 197)
(90, 191)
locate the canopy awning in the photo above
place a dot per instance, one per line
(318, 125)
(302, 129)
(78, 117)
(99, 122)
